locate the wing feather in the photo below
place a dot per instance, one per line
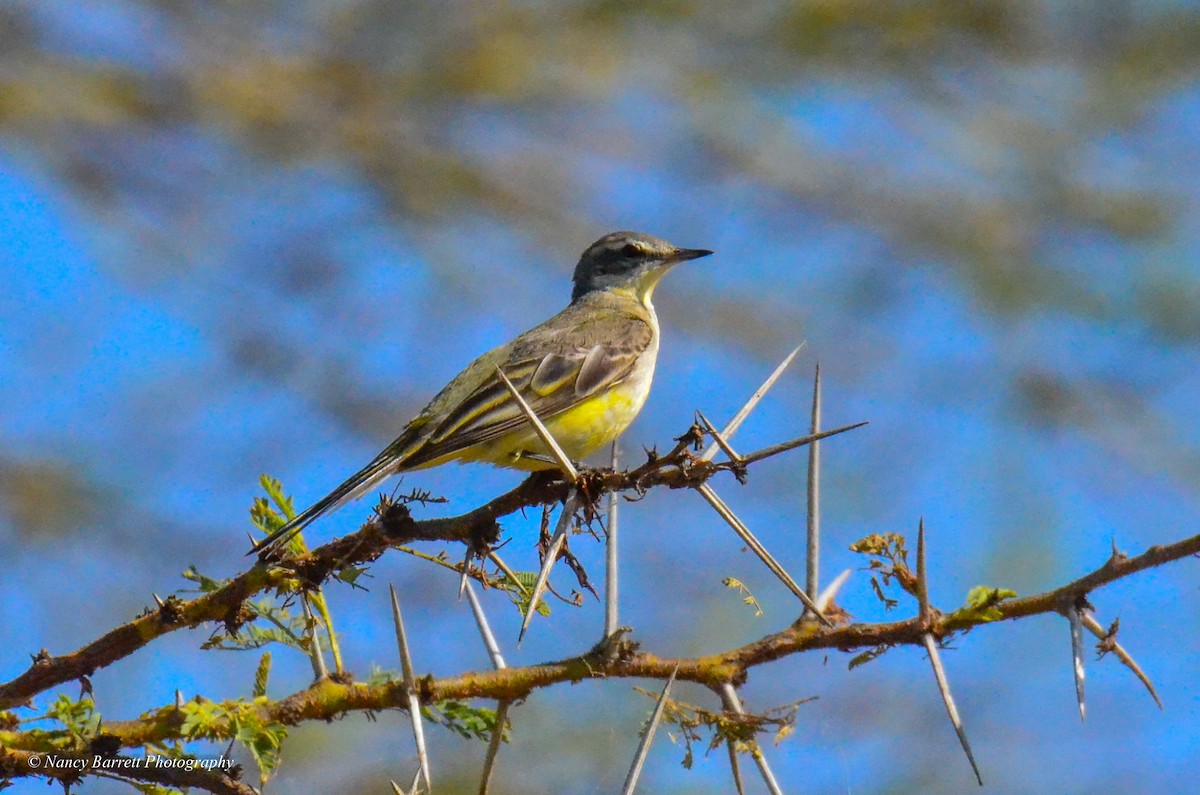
(552, 373)
(551, 382)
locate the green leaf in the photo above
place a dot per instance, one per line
(274, 490)
(382, 676)
(287, 628)
(238, 720)
(262, 674)
(79, 718)
(867, 656)
(463, 719)
(350, 574)
(982, 601)
(520, 593)
(205, 583)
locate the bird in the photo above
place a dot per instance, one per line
(585, 372)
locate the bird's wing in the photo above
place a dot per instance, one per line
(554, 367)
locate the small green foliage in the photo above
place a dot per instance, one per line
(267, 515)
(280, 624)
(867, 656)
(262, 674)
(205, 584)
(693, 723)
(521, 590)
(237, 720)
(285, 627)
(747, 596)
(270, 513)
(882, 545)
(351, 574)
(888, 561)
(982, 601)
(79, 718)
(462, 719)
(382, 676)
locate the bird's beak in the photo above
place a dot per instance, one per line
(685, 254)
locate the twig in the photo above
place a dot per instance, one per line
(335, 699)
(924, 619)
(923, 613)
(1094, 627)
(410, 690)
(719, 438)
(413, 790)
(639, 759)
(783, 447)
(512, 577)
(466, 571)
(735, 769)
(379, 533)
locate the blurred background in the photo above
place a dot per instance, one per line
(239, 238)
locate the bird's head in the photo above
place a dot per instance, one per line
(628, 261)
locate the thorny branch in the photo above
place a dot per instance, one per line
(327, 699)
(393, 525)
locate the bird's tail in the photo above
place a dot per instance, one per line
(355, 486)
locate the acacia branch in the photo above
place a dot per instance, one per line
(391, 525)
(327, 699)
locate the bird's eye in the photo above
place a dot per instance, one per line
(630, 250)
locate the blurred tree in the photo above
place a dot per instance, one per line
(229, 227)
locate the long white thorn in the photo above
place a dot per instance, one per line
(611, 561)
(939, 673)
(639, 759)
(485, 629)
(556, 542)
(1076, 622)
(758, 549)
(564, 462)
(410, 689)
(813, 561)
(745, 410)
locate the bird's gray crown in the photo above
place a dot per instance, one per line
(617, 255)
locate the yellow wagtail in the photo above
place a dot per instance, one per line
(585, 372)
